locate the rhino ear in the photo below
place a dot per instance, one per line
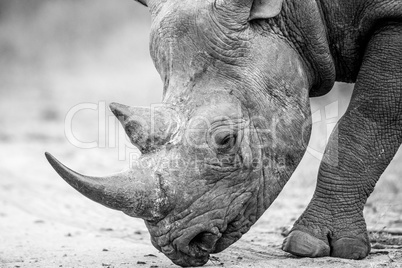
(265, 9)
(144, 2)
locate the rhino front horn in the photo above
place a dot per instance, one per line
(136, 193)
(147, 128)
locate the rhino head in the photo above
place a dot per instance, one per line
(233, 126)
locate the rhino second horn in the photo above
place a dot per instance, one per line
(148, 129)
(132, 192)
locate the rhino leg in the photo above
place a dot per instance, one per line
(361, 147)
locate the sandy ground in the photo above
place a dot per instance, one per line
(45, 223)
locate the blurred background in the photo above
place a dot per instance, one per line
(57, 55)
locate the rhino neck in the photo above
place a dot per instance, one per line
(309, 36)
(349, 26)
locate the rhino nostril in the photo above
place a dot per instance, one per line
(205, 241)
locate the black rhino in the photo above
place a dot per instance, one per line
(237, 77)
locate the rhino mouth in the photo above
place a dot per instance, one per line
(204, 242)
(193, 250)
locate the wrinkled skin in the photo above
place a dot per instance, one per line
(237, 81)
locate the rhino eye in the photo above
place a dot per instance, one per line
(225, 140)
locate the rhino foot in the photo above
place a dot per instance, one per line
(303, 244)
(350, 248)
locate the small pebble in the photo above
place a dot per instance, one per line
(378, 246)
(149, 255)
